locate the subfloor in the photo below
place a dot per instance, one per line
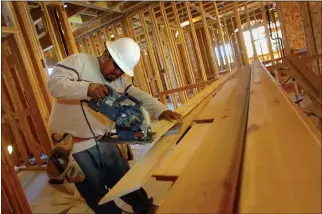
(44, 199)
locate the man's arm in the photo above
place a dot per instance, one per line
(65, 83)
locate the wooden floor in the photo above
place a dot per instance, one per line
(44, 199)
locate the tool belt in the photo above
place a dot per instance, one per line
(62, 169)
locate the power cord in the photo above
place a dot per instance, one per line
(90, 127)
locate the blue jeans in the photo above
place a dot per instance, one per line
(102, 174)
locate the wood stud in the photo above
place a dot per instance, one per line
(213, 64)
(250, 31)
(221, 37)
(155, 69)
(241, 36)
(196, 45)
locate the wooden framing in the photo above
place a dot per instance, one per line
(239, 62)
(139, 72)
(93, 46)
(69, 38)
(184, 43)
(155, 68)
(174, 53)
(51, 32)
(213, 64)
(162, 54)
(221, 37)
(250, 31)
(196, 45)
(241, 36)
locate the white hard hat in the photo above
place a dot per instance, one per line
(125, 52)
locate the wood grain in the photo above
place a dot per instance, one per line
(208, 183)
(175, 163)
(282, 167)
(142, 170)
(211, 109)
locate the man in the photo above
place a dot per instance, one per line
(83, 76)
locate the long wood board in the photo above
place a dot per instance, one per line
(174, 164)
(141, 171)
(210, 111)
(208, 183)
(282, 166)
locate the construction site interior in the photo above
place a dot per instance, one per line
(245, 76)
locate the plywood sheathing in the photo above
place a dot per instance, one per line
(309, 22)
(292, 26)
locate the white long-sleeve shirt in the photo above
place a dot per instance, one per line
(69, 83)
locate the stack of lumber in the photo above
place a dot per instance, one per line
(244, 147)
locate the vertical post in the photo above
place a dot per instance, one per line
(268, 39)
(115, 32)
(250, 31)
(51, 31)
(92, 44)
(155, 69)
(33, 94)
(139, 73)
(162, 55)
(71, 44)
(184, 43)
(240, 63)
(260, 45)
(241, 36)
(106, 34)
(213, 64)
(100, 42)
(232, 51)
(221, 36)
(195, 41)
(84, 45)
(27, 30)
(174, 53)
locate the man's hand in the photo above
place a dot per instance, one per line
(97, 91)
(170, 115)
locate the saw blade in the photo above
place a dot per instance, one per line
(175, 129)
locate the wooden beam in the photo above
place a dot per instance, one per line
(69, 37)
(159, 44)
(221, 36)
(139, 73)
(184, 43)
(299, 75)
(232, 49)
(241, 36)
(250, 30)
(51, 31)
(92, 44)
(177, 161)
(213, 64)
(268, 39)
(101, 46)
(36, 55)
(155, 68)
(286, 162)
(214, 167)
(32, 89)
(141, 171)
(174, 54)
(240, 63)
(309, 34)
(196, 45)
